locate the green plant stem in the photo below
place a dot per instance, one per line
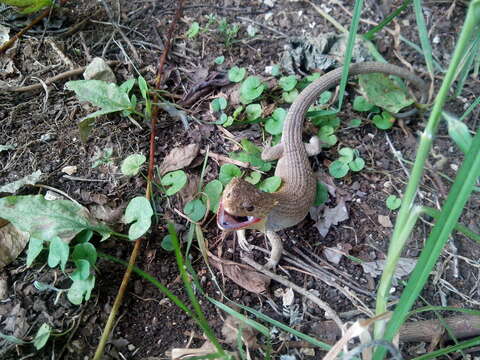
(397, 241)
(370, 33)
(201, 320)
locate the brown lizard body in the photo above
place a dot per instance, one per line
(243, 206)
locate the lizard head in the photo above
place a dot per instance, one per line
(243, 206)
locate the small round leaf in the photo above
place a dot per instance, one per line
(174, 181)
(287, 83)
(195, 210)
(274, 124)
(357, 164)
(338, 169)
(236, 74)
(228, 172)
(132, 164)
(270, 184)
(393, 202)
(139, 211)
(167, 243)
(253, 111)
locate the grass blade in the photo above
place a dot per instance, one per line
(423, 34)
(370, 34)
(458, 196)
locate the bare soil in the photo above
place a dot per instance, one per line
(43, 127)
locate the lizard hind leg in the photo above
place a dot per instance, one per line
(313, 147)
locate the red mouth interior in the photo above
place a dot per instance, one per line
(226, 221)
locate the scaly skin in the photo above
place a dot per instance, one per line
(270, 212)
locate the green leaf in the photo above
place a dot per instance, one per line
(324, 97)
(58, 252)
(84, 236)
(80, 290)
(42, 336)
(109, 97)
(193, 30)
(357, 164)
(355, 122)
(195, 210)
(384, 121)
(139, 211)
(326, 136)
(12, 339)
(287, 83)
(458, 131)
(251, 89)
(228, 121)
(167, 243)
(174, 181)
(253, 178)
(338, 169)
(228, 172)
(253, 111)
(219, 60)
(289, 97)
(237, 112)
(143, 86)
(361, 104)
(85, 251)
(35, 247)
(393, 202)
(132, 164)
(321, 194)
(213, 190)
(218, 104)
(236, 74)
(45, 219)
(127, 86)
(14, 186)
(249, 146)
(82, 272)
(383, 92)
(274, 124)
(28, 6)
(275, 70)
(270, 184)
(346, 155)
(255, 160)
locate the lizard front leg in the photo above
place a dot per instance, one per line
(277, 248)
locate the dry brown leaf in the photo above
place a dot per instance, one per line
(242, 275)
(189, 191)
(179, 158)
(12, 243)
(385, 221)
(230, 330)
(106, 213)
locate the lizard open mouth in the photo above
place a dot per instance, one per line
(226, 221)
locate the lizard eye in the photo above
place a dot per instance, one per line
(249, 207)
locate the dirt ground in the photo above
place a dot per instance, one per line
(43, 127)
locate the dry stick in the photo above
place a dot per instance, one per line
(323, 305)
(18, 35)
(64, 75)
(136, 247)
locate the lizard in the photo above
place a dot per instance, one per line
(243, 206)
